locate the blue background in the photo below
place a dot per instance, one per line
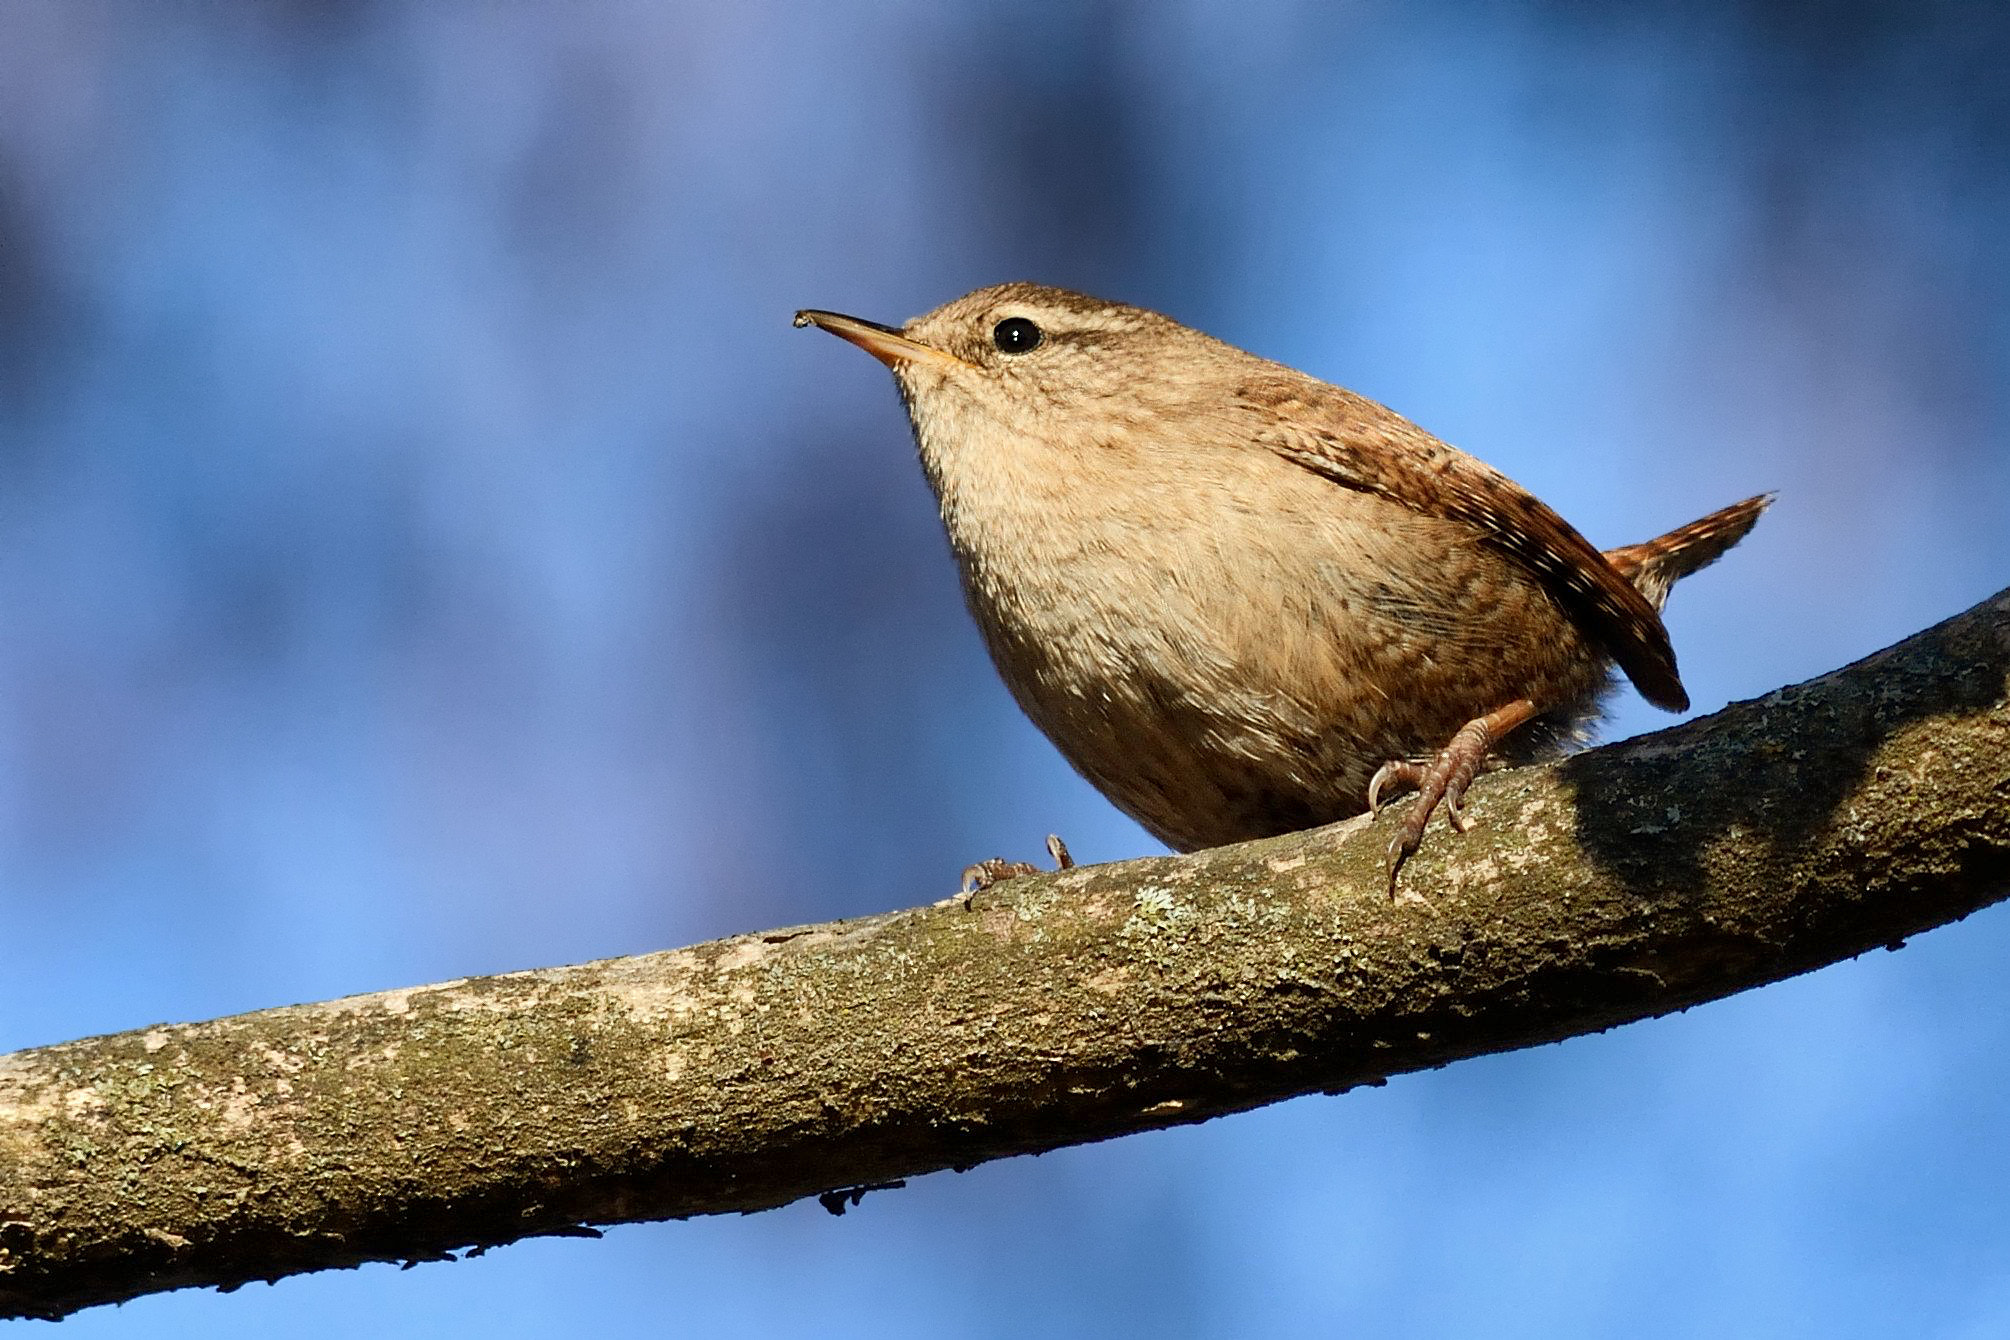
(426, 549)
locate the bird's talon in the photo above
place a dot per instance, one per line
(996, 870)
(1445, 779)
(1401, 772)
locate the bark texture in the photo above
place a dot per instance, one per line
(1771, 838)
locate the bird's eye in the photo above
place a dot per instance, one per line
(1016, 335)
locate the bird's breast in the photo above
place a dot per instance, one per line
(1227, 644)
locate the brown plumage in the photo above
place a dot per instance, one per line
(1242, 601)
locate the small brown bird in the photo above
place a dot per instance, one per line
(1242, 601)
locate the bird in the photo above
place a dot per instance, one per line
(1242, 601)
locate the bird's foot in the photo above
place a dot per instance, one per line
(1443, 780)
(981, 876)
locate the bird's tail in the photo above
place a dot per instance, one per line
(1655, 565)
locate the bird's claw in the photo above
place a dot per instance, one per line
(1443, 781)
(1401, 771)
(983, 874)
(996, 870)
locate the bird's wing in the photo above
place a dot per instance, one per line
(1361, 445)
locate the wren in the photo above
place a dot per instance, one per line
(1242, 601)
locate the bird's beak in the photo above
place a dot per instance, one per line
(885, 343)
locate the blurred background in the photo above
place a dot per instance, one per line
(426, 549)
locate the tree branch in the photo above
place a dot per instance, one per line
(1774, 837)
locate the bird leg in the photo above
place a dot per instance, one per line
(997, 870)
(1443, 779)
